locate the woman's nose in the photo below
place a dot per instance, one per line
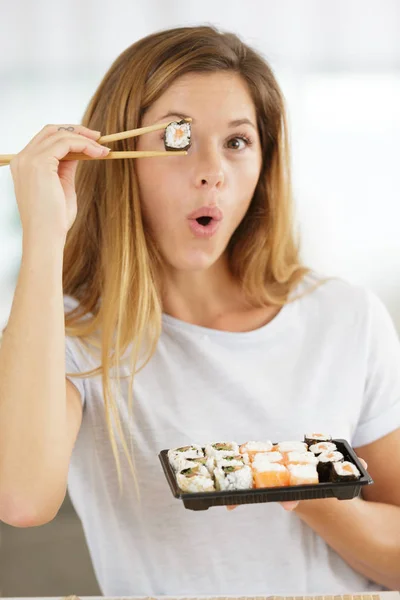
(209, 172)
(211, 180)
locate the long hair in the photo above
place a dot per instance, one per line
(111, 264)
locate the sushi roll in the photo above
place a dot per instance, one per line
(233, 478)
(345, 471)
(251, 448)
(177, 135)
(325, 462)
(236, 460)
(175, 455)
(302, 474)
(285, 447)
(301, 458)
(273, 457)
(322, 447)
(195, 479)
(188, 463)
(269, 474)
(315, 438)
(222, 449)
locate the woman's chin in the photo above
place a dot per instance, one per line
(196, 261)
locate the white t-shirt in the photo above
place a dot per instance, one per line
(328, 362)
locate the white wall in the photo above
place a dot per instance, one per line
(338, 64)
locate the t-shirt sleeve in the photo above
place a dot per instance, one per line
(380, 414)
(72, 365)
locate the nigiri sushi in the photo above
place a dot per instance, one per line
(267, 474)
(302, 474)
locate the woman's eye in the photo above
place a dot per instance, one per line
(238, 143)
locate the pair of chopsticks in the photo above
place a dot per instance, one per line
(5, 159)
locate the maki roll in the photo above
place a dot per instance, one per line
(251, 448)
(325, 462)
(195, 479)
(235, 460)
(301, 458)
(315, 438)
(175, 455)
(345, 471)
(269, 474)
(302, 474)
(233, 478)
(177, 135)
(222, 449)
(322, 447)
(188, 463)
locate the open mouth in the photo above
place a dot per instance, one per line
(204, 220)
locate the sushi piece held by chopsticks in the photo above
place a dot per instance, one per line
(177, 136)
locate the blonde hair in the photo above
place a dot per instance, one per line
(111, 264)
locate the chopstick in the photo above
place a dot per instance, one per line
(113, 137)
(5, 159)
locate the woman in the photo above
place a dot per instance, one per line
(227, 334)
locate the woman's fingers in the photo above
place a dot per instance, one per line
(291, 505)
(50, 130)
(362, 461)
(231, 506)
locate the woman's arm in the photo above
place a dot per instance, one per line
(366, 533)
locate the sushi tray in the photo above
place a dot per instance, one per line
(227, 473)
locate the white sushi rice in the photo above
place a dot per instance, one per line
(302, 458)
(303, 472)
(262, 464)
(172, 140)
(240, 479)
(272, 457)
(188, 463)
(230, 449)
(257, 446)
(236, 460)
(318, 437)
(292, 447)
(341, 469)
(323, 447)
(175, 455)
(198, 481)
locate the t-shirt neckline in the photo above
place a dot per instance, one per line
(279, 322)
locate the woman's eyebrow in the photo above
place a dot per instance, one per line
(238, 122)
(235, 123)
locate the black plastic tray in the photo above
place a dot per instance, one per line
(203, 500)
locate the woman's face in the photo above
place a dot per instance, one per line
(221, 169)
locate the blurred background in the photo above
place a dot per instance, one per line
(338, 64)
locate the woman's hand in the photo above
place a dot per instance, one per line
(45, 186)
(292, 505)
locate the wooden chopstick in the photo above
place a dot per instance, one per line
(113, 137)
(5, 159)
